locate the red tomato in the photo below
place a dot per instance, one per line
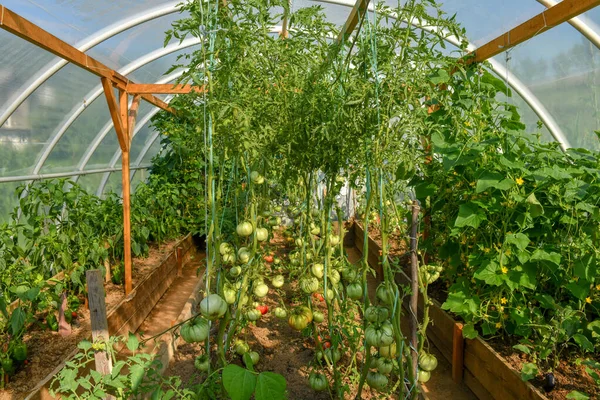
(263, 309)
(269, 259)
(74, 315)
(318, 296)
(327, 344)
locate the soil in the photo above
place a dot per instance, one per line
(48, 349)
(568, 375)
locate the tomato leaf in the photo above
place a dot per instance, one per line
(239, 382)
(583, 342)
(270, 386)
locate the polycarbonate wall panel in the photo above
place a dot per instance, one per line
(8, 199)
(114, 183)
(77, 139)
(139, 141)
(562, 68)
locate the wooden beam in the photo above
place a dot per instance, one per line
(358, 11)
(548, 19)
(124, 114)
(23, 28)
(126, 220)
(168, 88)
(135, 105)
(113, 108)
(98, 319)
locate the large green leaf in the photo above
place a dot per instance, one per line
(490, 273)
(493, 180)
(585, 267)
(469, 215)
(270, 386)
(535, 207)
(529, 371)
(17, 321)
(239, 382)
(520, 240)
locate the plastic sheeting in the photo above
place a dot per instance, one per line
(560, 67)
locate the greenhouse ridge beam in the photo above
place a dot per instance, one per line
(358, 11)
(586, 27)
(553, 16)
(23, 28)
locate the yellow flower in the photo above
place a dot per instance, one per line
(504, 270)
(588, 300)
(519, 181)
(501, 308)
(503, 300)
(597, 287)
(498, 325)
(487, 250)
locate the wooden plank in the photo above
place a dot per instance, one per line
(131, 118)
(476, 387)
(126, 184)
(124, 115)
(129, 314)
(167, 88)
(458, 353)
(495, 375)
(98, 319)
(548, 19)
(114, 109)
(23, 28)
(179, 261)
(358, 11)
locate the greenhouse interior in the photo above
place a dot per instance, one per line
(300, 199)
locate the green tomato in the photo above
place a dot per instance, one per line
(202, 363)
(384, 295)
(379, 335)
(318, 317)
(427, 362)
(235, 271)
(317, 270)
(300, 318)
(213, 307)
(376, 315)
(253, 315)
(376, 380)
(244, 229)
(278, 281)
(384, 365)
(334, 240)
(195, 330)
(354, 291)
(243, 255)
(318, 382)
(424, 376)
(309, 284)
(261, 290)
(255, 357)
(262, 234)
(241, 347)
(280, 313)
(225, 248)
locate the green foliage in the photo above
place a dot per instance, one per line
(241, 383)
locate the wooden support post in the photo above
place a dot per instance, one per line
(98, 318)
(180, 261)
(458, 353)
(107, 277)
(126, 219)
(414, 284)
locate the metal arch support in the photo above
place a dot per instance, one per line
(512, 80)
(53, 67)
(97, 92)
(586, 27)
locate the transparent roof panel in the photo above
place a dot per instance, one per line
(562, 68)
(73, 20)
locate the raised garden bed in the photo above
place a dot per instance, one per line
(49, 351)
(484, 371)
